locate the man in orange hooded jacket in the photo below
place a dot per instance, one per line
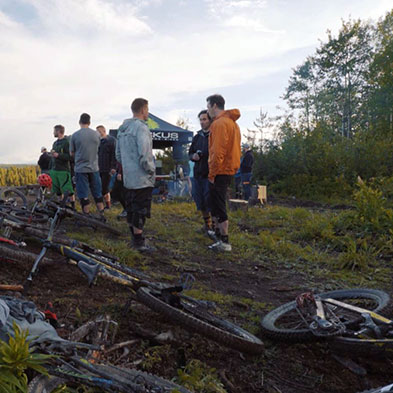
(224, 161)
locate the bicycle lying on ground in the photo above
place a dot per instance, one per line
(15, 204)
(348, 318)
(69, 368)
(69, 364)
(194, 315)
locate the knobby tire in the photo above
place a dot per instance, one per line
(300, 332)
(209, 325)
(12, 193)
(19, 255)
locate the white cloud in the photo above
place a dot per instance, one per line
(97, 55)
(94, 16)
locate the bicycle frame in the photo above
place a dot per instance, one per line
(92, 267)
(321, 322)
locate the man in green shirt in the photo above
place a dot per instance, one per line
(60, 171)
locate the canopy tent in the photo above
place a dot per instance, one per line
(164, 133)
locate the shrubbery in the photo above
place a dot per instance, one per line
(18, 176)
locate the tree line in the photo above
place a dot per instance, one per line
(339, 122)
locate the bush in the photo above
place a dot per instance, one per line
(15, 359)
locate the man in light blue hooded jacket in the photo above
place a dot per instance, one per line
(134, 151)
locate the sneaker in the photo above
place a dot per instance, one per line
(212, 235)
(123, 214)
(220, 246)
(143, 246)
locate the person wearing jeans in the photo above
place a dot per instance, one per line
(84, 146)
(246, 164)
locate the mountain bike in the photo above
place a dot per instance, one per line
(195, 315)
(69, 369)
(43, 208)
(349, 319)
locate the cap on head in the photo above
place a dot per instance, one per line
(43, 149)
(245, 146)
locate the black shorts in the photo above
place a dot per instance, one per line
(218, 196)
(105, 180)
(139, 201)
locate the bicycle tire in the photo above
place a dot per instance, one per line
(301, 333)
(20, 255)
(381, 389)
(13, 194)
(92, 222)
(363, 346)
(29, 217)
(147, 382)
(208, 325)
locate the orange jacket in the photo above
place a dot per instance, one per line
(224, 144)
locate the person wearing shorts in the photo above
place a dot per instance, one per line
(60, 164)
(224, 161)
(84, 146)
(134, 151)
(106, 162)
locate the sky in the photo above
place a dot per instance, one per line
(59, 58)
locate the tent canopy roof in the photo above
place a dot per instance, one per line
(165, 134)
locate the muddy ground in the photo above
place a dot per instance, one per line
(285, 368)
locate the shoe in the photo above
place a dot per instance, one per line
(212, 235)
(220, 246)
(143, 246)
(123, 214)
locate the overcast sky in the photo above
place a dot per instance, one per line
(59, 58)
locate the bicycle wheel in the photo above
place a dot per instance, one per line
(363, 346)
(382, 389)
(19, 255)
(27, 216)
(91, 221)
(191, 315)
(14, 197)
(285, 323)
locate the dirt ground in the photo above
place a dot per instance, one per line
(285, 368)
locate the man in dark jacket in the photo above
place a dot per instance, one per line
(199, 154)
(60, 166)
(44, 160)
(246, 164)
(106, 162)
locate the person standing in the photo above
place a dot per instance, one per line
(60, 171)
(84, 146)
(246, 164)
(224, 161)
(134, 151)
(106, 162)
(44, 161)
(199, 154)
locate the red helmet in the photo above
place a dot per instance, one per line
(44, 180)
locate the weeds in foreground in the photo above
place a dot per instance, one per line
(198, 377)
(15, 358)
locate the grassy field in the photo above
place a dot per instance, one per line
(278, 252)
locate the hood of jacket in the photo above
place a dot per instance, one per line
(232, 114)
(127, 122)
